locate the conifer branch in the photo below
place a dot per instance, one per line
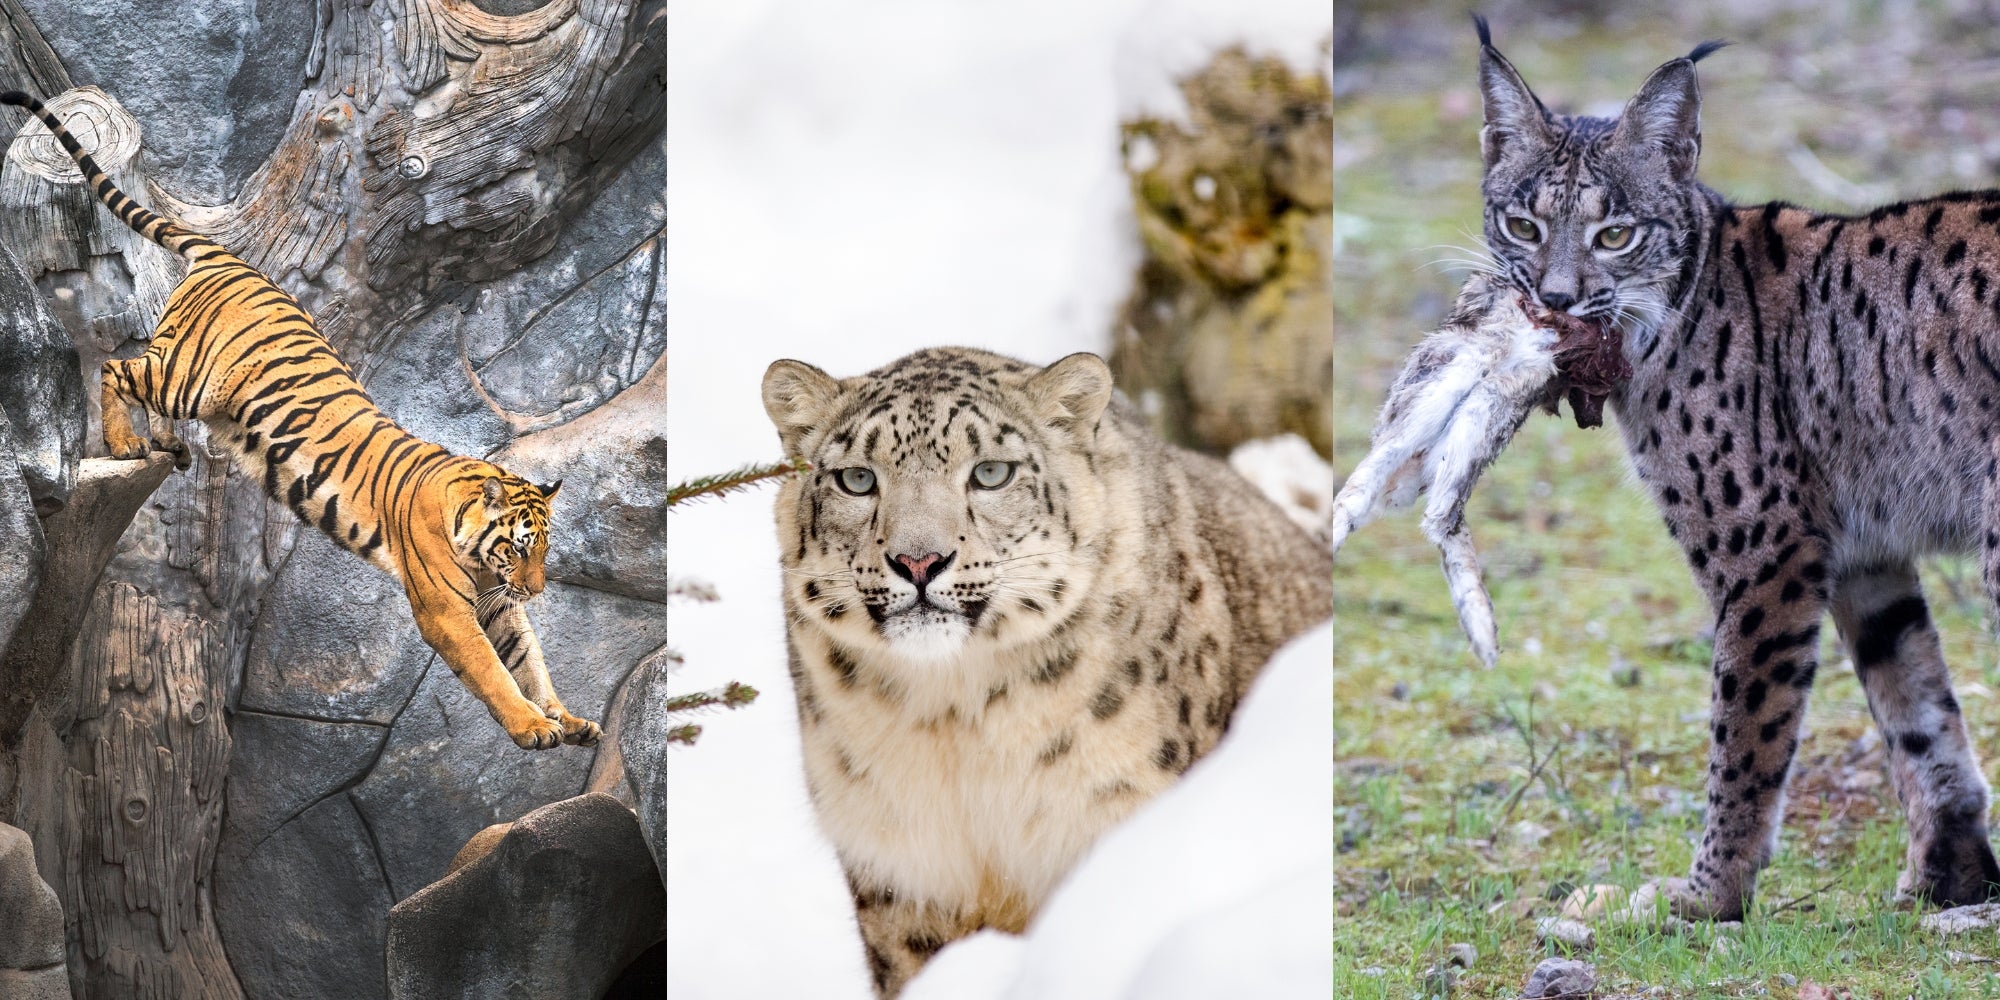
(733, 695)
(733, 481)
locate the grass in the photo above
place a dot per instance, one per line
(1465, 800)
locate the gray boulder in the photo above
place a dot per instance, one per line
(642, 739)
(31, 925)
(558, 906)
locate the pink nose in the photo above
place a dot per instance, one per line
(919, 569)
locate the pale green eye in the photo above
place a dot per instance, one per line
(856, 480)
(1614, 237)
(1524, 230)
(992, 475)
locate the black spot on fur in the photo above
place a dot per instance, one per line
(1107, 703)
(1880, 632)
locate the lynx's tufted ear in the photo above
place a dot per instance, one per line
(1665, 116)
(1516, 121)
(1072, 393)
(798, 397)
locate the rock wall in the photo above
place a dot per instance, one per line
(246, 756)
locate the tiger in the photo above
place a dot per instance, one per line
(466, 538)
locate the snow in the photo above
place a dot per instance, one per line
(1291, 473)
(847, 183)
(1248, 836)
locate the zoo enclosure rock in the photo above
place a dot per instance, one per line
(31, 925)
(563, 901)
(509, 287)
(41, 389)
(202, 80)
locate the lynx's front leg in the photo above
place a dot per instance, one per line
(1769, 599)
(513, 637)
(1883, 618)
(447, 623)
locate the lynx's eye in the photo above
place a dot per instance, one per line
(1523, 229)
(992, 475)
(1614, 237)
(856, 480)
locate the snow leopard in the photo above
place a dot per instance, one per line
(1013, 615)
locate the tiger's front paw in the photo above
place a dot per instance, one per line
(125, 446)
(579, 732)
(536, 733)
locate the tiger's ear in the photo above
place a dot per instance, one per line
(549, 491)
(1073, 392)
(798, 398)
(493, 492)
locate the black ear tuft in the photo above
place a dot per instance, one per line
(549, 491)
(1485, 33)
(1706, 49)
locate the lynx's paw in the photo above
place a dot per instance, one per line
(1681, 902)
(537, 733)
(1957, 866)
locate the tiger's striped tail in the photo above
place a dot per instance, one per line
(142, 220)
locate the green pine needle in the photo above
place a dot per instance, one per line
(734, 481)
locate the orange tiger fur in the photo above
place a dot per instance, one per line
(238, 353)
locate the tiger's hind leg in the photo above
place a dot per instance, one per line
(164, 439)
(507, 627)
(137, 382)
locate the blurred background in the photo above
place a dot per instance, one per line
(851, 182)
(1468, 801)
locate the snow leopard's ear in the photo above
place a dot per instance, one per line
(1072, 393)
(798, 398)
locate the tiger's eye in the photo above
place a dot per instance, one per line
(1524, 230)
(992, 475)
(1614, 237)
(856, 480)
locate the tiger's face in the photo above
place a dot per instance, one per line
(503, 533)
(949, 501)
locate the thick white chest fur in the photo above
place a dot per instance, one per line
(958, 804)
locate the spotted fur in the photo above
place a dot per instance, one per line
(240, 354)
(1815, 404)
(993, 665)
